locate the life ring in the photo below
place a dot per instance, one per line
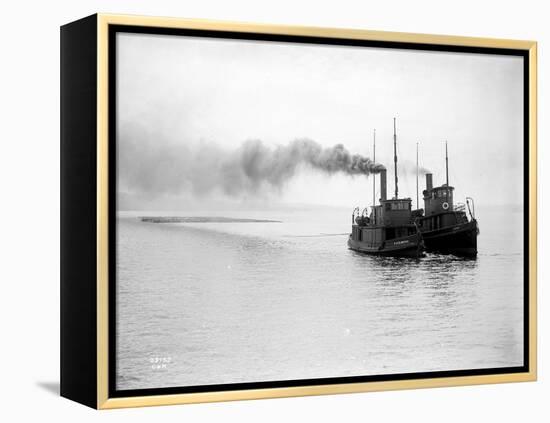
(445, 205)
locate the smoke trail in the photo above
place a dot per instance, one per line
(255, 164)
(146, 166)
(409, 167)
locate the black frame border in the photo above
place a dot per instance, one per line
(112, 188)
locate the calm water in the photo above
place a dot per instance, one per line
(209, 303)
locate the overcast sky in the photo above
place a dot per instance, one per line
(178, 96)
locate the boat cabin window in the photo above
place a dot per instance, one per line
(443, 193)
(400, 206)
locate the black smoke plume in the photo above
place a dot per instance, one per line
(155, 168)
(255, 163)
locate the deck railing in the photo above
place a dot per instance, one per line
(459, 207)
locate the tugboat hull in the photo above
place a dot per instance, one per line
(411, 246)
(460, 240)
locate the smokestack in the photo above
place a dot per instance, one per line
(383, 195)
(429, 184)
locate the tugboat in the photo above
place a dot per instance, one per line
(390, 230)
(445, 227)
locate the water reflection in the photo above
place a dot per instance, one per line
(272, 307)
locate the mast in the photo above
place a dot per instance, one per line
(446, 172)
(417, 176)
(374, 174)
(395, 157)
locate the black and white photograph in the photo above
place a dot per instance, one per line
(298, 210)
(275, 211)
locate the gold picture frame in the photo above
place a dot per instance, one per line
(99, 25)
